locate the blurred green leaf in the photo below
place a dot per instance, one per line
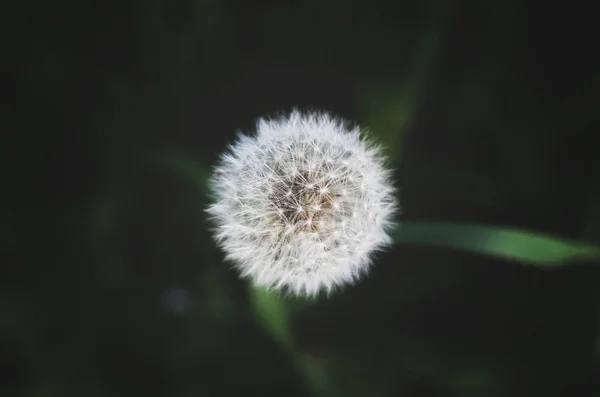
(316, 373)
(273, 314)
(389, 108)
(192, 171)
(523, 246)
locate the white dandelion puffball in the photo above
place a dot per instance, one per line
(303, 204)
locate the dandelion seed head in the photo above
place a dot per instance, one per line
(291, 200)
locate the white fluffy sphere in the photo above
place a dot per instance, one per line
(302, 205)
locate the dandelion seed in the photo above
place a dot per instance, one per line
(330, 190)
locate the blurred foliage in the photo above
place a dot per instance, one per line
(522, 246)
(389, 106)
(111, 285)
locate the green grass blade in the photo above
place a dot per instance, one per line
(272, 312)
(519, 245)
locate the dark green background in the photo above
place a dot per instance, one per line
(111, 286)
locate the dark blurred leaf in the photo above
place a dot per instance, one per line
(522, 246)
(273, 314)
(389, 109)
(189, 169)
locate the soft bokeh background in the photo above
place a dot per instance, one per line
(111, 286)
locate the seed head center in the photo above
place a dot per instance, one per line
(302, 203)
